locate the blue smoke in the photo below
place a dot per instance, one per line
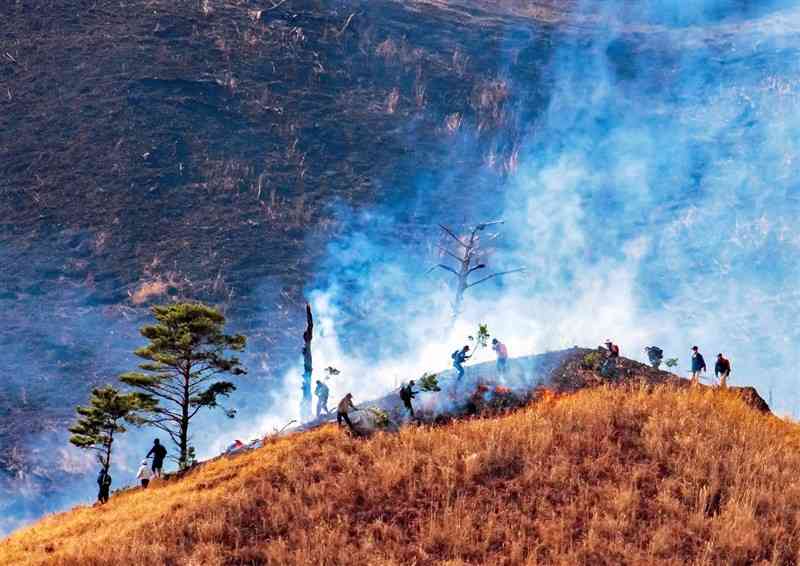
(652, 200)
(644, 159)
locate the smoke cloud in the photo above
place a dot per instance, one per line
(652, 200)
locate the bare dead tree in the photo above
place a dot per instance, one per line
(308, 335)
(470, 256)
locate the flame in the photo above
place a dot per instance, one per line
(547, 395)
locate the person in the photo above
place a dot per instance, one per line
(722, 369)
(502, 356)
(345, 406)
(609, 368)
(158, 452)
(655, 355)
(698, 365)
(459, 357)
(144, 474)
(104, 482)
(322, 391)
(407, 393)
(305, 404)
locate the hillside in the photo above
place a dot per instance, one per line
(619, 475)
(211, 150)
(155, 150)
(259, 154)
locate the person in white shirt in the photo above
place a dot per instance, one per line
(145, 473)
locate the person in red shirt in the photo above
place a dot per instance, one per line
(723, 370)
(609, 368)
(502, 356)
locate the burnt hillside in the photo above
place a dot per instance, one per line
(205, 149)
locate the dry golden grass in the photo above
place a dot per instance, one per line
(605, 476)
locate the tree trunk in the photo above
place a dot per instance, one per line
(107, 462)
(184, 428)
(308, 335)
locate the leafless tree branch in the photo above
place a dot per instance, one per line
(479, 281)
(450, 233)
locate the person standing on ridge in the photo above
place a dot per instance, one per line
(407, 393)
(722, 369)
(144, 474)
(655, 355)
(158, 452)
(609, 368)
(459, 357)
(322, 391)
(345, 406)
(698, 365)
(502, 356)
(104, 483)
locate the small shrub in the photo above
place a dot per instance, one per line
(429, 382)
(592, 360)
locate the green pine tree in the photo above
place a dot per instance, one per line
(98, 423)
(185, 357)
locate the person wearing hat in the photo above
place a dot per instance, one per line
(144, 474)
(345, 406)
(698, 365)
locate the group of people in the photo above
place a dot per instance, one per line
(722, 368)
(146, 472)
(459, 357)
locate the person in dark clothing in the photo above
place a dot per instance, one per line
(655, 355)
(345, 406)
(722, 369)
(609, 368)
(407, 393)
(698, 365)
(459, 357)
(322, 391)
(158, 452)
(104, 483)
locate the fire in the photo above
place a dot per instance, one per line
(547, 395)
(501, 390)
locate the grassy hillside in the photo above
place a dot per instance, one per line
(603, 476)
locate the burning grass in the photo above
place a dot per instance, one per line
(607, 476)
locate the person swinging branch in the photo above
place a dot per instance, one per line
(342, 413)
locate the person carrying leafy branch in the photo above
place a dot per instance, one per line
(407, 393)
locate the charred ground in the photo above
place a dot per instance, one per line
(160, 149)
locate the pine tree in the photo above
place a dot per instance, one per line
(185, 357)
(98, 423)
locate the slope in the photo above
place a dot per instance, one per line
(157, 149)
(610, 475)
